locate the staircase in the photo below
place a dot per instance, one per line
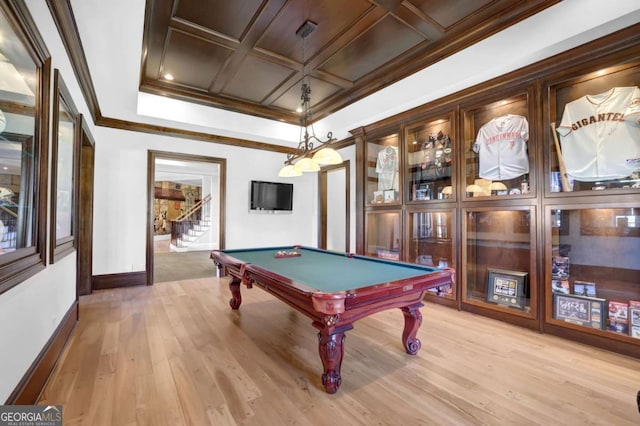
(8, 226)
(189, 227)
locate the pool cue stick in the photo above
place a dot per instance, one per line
(563, 170)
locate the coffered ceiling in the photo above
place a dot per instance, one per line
(245, 56)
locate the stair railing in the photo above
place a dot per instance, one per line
(188, 220)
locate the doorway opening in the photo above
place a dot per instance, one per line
(185, 215)
(335, 216)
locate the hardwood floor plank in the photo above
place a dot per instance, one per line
(176, 354)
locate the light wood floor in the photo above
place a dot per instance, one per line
(175, 354)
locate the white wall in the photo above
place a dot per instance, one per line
(29, 315)
(120, 205)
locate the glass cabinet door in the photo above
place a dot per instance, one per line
(595, 143)
(595, 269)
(383, 166)
(383, 237)
(498, 256)
(431, 243)
(497, 153)
(429, 161)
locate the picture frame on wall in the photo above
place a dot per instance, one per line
(506, 288)
(581, 310)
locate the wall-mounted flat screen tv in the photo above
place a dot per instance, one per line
(271, 196)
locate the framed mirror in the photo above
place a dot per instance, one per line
(24, 122)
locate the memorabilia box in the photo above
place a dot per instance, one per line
(619, 317)
(560, 267)
(506, 288)
(560, 286)
(581, 310)
(390, 196)
(584, 288)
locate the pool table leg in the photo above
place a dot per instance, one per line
(331, 348)
(412, 322)
(236, 298)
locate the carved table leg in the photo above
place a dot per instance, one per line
(236, 298)
(412, 322)
(331, 348)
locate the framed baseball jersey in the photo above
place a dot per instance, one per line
(600, 135)
(502, 147)
(387, 168)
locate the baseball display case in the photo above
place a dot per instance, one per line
(383, 170)
(430, 165)
(497, 147)
(595, 130)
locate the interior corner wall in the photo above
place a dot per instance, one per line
(120, 203)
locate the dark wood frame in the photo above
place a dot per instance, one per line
(23, 263)
(61, 247)
(152, 156)
(84, 283)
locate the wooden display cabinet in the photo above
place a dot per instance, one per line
(513, 233)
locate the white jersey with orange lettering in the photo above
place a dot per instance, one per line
(600, 135)
(502, 146)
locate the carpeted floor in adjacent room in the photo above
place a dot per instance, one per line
(176, 266)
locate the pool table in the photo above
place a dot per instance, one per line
(334, 290)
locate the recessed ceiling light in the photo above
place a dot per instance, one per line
(168, 76)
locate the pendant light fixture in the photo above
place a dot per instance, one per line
(308, 158)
